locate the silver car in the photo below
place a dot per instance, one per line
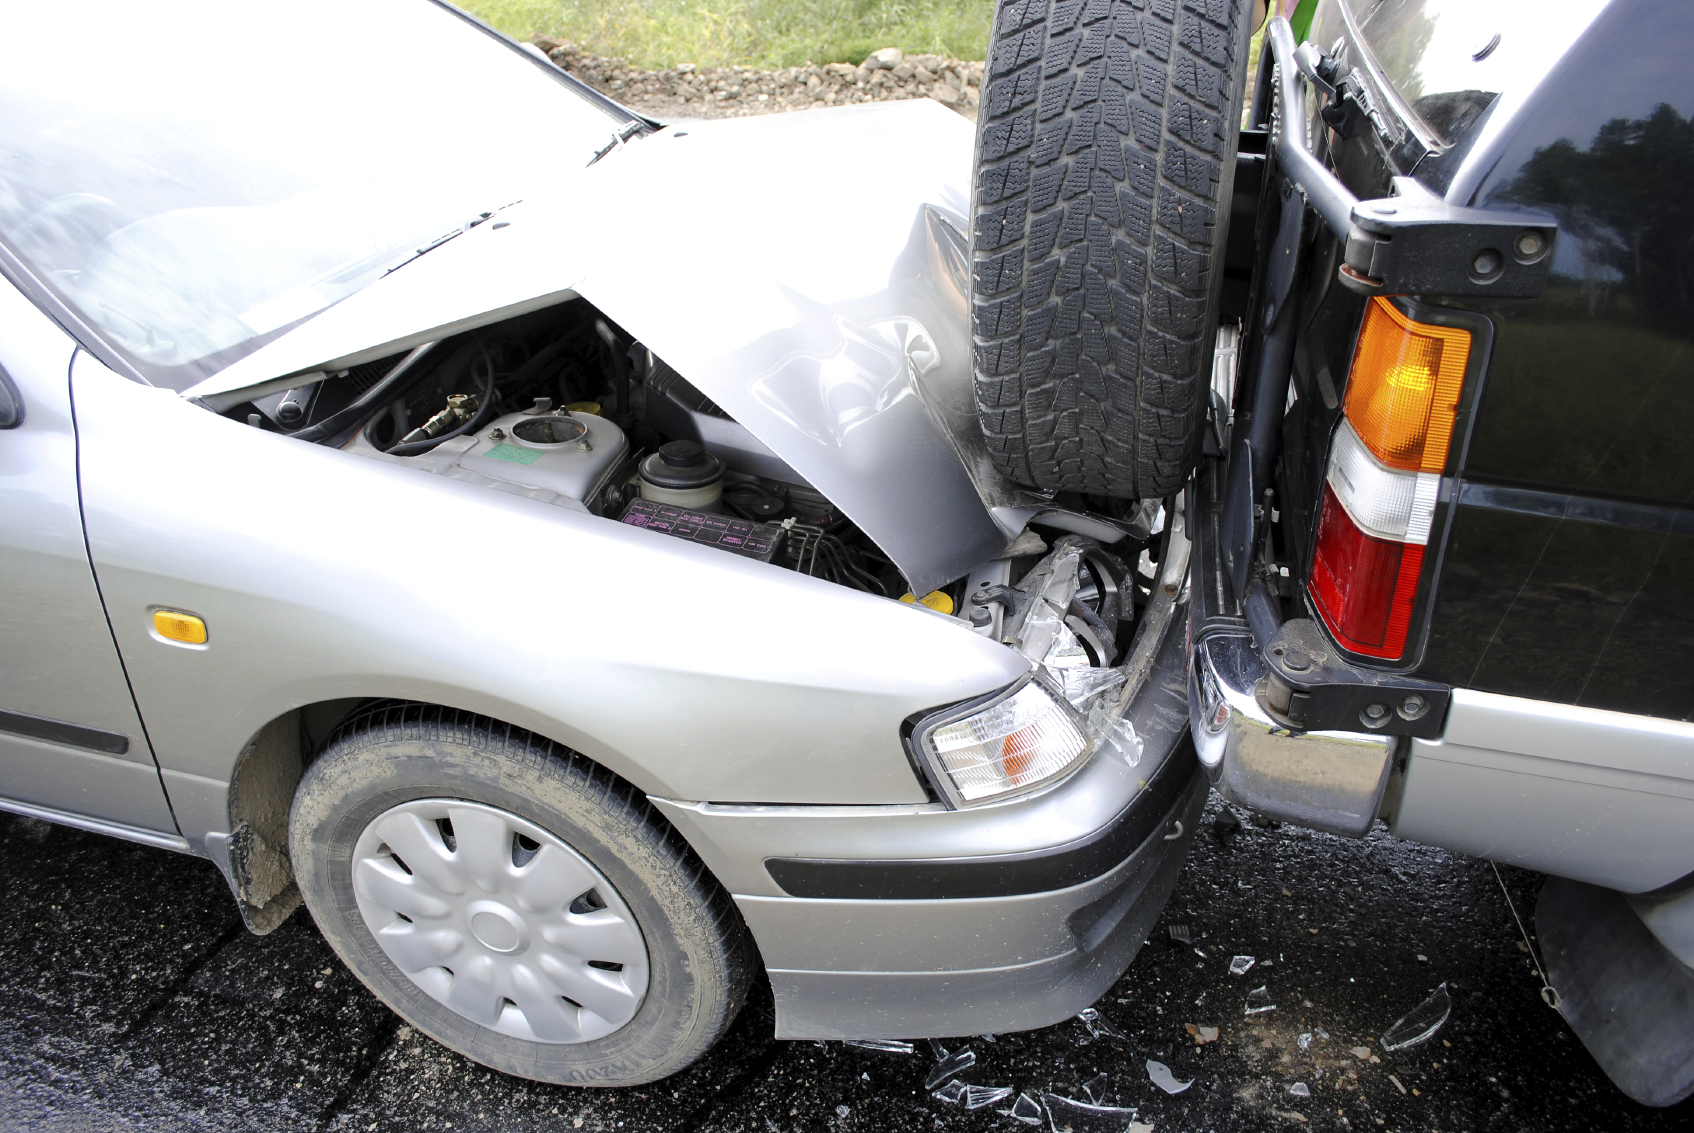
(558, 548)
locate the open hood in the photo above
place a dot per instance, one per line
(807, 272)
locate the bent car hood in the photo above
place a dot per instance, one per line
(808, 272)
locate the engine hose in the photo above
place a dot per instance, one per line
(484, 411)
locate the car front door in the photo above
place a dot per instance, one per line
(71, 743)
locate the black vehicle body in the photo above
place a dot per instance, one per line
(1538, 712)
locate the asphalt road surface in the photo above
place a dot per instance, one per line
(130, 997)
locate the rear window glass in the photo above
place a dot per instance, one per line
(1448, 59)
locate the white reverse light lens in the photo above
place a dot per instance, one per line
(1384, 502)
(1012, 745)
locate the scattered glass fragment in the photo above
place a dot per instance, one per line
(1305, 1040)
(1300, 1090)
(1164, 1079)
(864, 1077)
(1259, 1001)
(988, 1038)
(842, 1111)
(1026, 1109)
(952, 1092)
(1095, 1088)
(980, 1097)
(1239, 965)
(891, 1046)
(1180, 932)
(936, 1049)
(960, 1060)
(1421, 1022)
(1097, 1026)
(1080, 1117)
(772, 1126)
(1320, 1032)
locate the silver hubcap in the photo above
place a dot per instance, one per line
(500, 921)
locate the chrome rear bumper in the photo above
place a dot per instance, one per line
(1330, 781)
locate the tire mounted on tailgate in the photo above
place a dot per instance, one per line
(1105, 159)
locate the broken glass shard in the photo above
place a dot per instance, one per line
(1259, 1001)
(892, 1046)
(1421, 1022)
(1026, 1109)
(1305, 1040)
(1097, 1026)
(957, 1062)
(1070, 1116)
(980, 1097)
(1320, 1032)
(1240, 965)
(842, 1111)
(1300, 1090)
(952, 1092)
(936, 1049)
(1164, 1079)
(1095, 1088)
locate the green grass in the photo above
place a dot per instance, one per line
(755, 33)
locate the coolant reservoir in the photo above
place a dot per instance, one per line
(568, 453)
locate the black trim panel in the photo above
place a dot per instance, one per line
(1041, 871)
(61, 732)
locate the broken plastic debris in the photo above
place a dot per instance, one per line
(1081, 686)
(1080, 1117)
(892, 1046)
(957, 1062)
(1305, 1040)
(952, 1092)
(1026, 1109)
(1180, 932)
(1120, 739)
(1164, 1079)
(980, 1097)
(1300, 1090)
(1421, 1022)
(1095, 1088)
(1090, 1017)
(1259, 1001)
(1240, 965)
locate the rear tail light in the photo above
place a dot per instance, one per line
(1384, 474)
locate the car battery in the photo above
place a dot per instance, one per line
(751, 540)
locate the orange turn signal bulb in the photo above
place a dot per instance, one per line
(1403, 392)
(174, 625)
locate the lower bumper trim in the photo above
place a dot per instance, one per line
(1041, 871)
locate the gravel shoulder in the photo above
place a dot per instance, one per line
(687, 91)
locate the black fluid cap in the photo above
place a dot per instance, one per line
(682, 464)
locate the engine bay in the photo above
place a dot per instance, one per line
(562, 406)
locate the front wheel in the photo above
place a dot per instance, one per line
(514, 901)
(1105, 162)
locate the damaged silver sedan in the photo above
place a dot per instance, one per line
(559, 549)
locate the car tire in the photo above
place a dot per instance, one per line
(1105, 160)
(503, 961)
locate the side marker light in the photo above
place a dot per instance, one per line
(174, 625)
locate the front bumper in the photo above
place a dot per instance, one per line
(901, 921)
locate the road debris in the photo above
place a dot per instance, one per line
(1241, 965)
(1097, 1026)
(1304, 1042)
(1202, 1035)
(1421, 1022)
(1164, 1079)
(1259, 1001)
(1071, 1116)
(1362, 1053)
(1180, 932)
(1300, 1090)
(951, 1093)
(1095, 1088)
(1026, 1109)
(1397, 1084)
(957, 1062)
(981, 1097)
(890, 1046)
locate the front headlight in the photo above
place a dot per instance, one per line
(1023, 739)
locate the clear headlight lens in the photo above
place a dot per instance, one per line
(1013, 745)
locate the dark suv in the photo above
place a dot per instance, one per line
(1421, 329)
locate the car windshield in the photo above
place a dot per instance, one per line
(1448, 59)
(195, 177)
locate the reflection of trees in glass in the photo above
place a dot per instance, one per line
(1627, 198)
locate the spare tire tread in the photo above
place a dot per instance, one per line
(1104, 157)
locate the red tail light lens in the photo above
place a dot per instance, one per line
(1364, 587)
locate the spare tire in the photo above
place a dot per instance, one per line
(1105, 159)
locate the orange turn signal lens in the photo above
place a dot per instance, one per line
(1403, 391)
(174, 625)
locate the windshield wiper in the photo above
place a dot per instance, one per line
(435, 242)
(619, 137)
